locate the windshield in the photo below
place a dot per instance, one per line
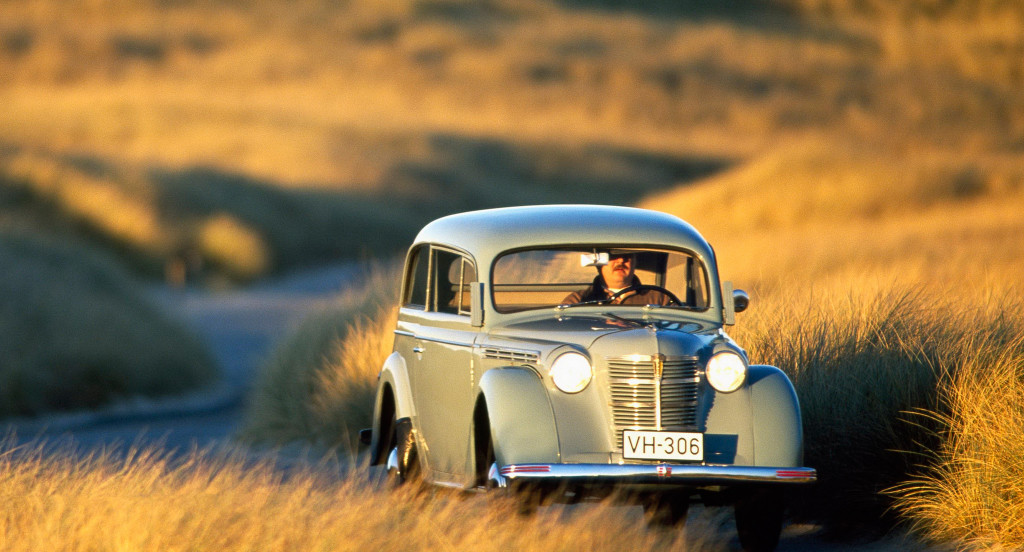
(582, 276)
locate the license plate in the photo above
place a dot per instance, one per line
(662, 445)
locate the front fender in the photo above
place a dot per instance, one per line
(394, 397)
(778, 426)
(522, 422)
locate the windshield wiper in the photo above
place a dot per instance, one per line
(618, 318)
(562, 307)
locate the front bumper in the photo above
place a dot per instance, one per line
(645, 474)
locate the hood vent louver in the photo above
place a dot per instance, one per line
(512, 356)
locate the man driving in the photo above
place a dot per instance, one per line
(616, 284)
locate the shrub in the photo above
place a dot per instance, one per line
(77, 332)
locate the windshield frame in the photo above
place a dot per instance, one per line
(583, 247)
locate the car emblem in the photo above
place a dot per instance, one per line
(659, 365)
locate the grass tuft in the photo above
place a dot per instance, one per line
(319, 384)
(970, 489)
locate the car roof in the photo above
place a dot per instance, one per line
(487, 233)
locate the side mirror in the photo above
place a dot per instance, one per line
(733, 301)
(740, 300)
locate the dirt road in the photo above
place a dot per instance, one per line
(241, 328)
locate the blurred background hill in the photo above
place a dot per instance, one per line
(239, 137)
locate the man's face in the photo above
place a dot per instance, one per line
(618, 273)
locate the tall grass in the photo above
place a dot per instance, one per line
(149, 502)
(77, 332)
(878, 281)
(969, 489)
(319, 384)
(862, 367)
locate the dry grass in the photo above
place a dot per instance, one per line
(861, 366)
(227, 502)
(890, 275)
(970, 490)
(203, 224)
(319, 384)
(416, 108)
(861, 220)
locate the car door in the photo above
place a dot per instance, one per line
(442, 372)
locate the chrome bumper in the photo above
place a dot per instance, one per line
(681, 474)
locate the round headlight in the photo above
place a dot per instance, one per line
(726, 371)
(571, 372)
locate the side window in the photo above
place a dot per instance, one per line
(447, 274)
(468, 277)
(452, 274)
(415, 293)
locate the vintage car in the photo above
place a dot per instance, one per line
(575, 350)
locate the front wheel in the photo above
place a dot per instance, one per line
(402, 463)
(525, 498)
(759, 520)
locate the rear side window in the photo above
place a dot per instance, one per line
(415, 293)
(438, 280)
(447, 281)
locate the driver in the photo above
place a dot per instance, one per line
(617, 277)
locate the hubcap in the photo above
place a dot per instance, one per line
(394, 470)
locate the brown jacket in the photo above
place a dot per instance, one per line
(599, 291)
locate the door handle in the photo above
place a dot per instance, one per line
(418, 350)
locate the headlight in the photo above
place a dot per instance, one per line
(726, 372)
(571, 372)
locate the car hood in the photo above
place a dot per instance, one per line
(619, 334)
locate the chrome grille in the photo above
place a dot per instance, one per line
(643, 398)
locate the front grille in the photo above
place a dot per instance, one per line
(641, 398)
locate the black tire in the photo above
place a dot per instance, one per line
(759, 520)
(666, 510)
(525, 497)
(402, 462)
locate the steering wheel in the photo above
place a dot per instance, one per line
(645, 287)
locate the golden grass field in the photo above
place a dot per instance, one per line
(227, 502)
(856, 164)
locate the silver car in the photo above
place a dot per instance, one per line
(566, 352)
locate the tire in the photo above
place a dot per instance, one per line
(525, 498)
(759, 520)
(402, 461)
(666, 510)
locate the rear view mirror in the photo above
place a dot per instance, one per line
(594, 259)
